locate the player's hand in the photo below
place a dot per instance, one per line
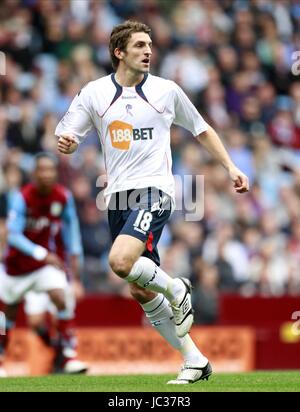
(54, 260)
(67, 144)
(240, 180)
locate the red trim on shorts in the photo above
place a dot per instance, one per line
(149, 245)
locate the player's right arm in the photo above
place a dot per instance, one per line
(75, 124)
(17, 239)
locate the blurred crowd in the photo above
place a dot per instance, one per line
(237, 61)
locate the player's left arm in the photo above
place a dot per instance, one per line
(72, 237)
(187, 116)
(213, 144)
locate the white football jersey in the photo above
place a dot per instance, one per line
(133, 124)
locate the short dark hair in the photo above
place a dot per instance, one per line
(46, 155)
(120, 36)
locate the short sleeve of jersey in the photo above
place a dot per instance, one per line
(78, 119)
(186, 114)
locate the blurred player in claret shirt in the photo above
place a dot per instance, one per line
(43, 234)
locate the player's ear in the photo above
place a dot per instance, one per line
(119, 54)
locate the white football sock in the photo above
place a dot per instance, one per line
(160, 315)
(149, 276)
(191, 354)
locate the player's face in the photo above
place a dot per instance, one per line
(45, 172)
(138, 53)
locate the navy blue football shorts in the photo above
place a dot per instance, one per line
(141, 213)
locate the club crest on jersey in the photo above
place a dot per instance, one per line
(55, 208)
(128, 109)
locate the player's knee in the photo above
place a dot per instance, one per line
(121, 265)
(35, 321)
(60, 304)
(58, 298)
(140, 294)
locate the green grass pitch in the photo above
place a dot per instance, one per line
(232, 382)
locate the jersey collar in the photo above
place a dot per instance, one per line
(119, 88)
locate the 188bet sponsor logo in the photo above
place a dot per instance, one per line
(121, 134)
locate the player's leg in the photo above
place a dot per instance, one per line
(138, 231)
(37, 308)
(10, 313)
(126, 261)
(159, 313)
(157, 310)
(13, 289)
(129, 244)
(53, 281)
(66, 354)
